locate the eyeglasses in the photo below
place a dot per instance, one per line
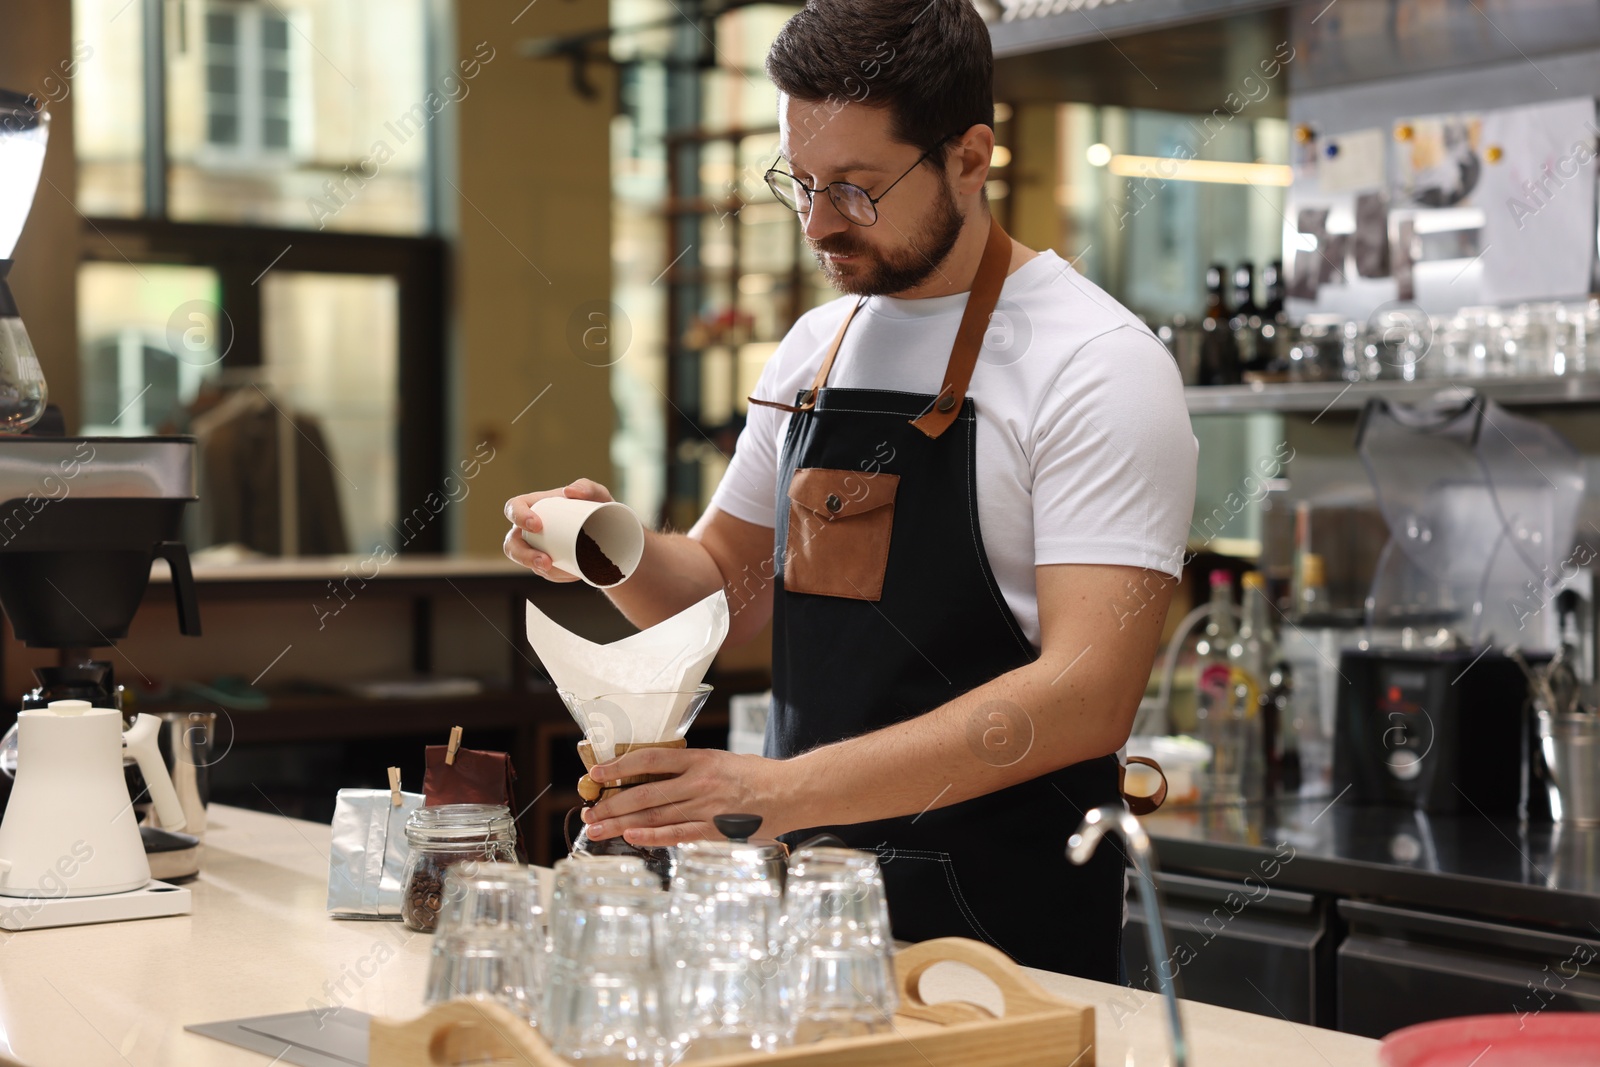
(853, 202)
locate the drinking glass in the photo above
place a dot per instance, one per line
(1450, 349)
(1586, 327)
(837, 946)
(1546, 339)
(1317, 355)
(603, 994)
(1489, 349)
(584, 872)
(1399, 339)
(725, 983)
(489, 942)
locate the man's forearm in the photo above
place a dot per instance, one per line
(674, 572)
(1027, 722)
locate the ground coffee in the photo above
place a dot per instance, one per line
(596, 566)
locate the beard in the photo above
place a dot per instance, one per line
(878, 273)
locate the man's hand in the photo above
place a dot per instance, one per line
(706, 783)
(520, 513)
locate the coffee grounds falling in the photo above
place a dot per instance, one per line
(594, 564)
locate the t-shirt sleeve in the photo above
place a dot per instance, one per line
(1113, 458)
(749, 487)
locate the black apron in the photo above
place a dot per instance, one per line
(884, 608)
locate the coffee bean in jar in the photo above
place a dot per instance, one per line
(441, 837)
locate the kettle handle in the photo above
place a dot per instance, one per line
(140, 741)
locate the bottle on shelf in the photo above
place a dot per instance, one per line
(1219, 354)
(1220, 715)
(1275, 327)
(1244, 290)
(1253, 654)
(1313, 598)
(1255, 355)
(1284, 771)
(1273, 291)
(1219, 631)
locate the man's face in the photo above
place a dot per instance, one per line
(918, 222)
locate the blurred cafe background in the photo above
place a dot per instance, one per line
(394, 262)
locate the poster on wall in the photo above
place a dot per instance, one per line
(1437, 161)
(1537, 194)
(1351, 162)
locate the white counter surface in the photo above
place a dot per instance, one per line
(260, 942)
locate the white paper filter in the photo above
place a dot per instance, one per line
(648, 676)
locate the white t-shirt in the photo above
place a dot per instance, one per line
(1085, 453)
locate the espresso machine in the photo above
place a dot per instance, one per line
(1482, 509)
(81, 520)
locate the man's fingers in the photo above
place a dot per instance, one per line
(587, 489)
(519, 511)
(640, 798)
(649, 818)
(519, 551)
(667, 836)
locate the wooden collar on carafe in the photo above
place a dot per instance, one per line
(981, 302)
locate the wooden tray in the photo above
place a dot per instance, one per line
(1038, 1029)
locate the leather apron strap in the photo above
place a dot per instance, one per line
(946, 407)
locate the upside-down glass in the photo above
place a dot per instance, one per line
(838, 950)
(725, 987)
(580, 872)
(490, 938)
(603, 994)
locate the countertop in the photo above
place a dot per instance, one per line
(1538, 874)
(323, 568)
(260, 942)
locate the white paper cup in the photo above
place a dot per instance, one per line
(613, 527)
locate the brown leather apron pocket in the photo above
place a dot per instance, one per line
(839, 527)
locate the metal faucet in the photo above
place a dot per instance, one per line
(1081, 845)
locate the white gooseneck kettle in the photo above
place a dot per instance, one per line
(70, 829)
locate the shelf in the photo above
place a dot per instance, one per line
(1317, 397)
(341, 717)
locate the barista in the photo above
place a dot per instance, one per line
(961, 499)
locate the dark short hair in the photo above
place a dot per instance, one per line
(929, 63)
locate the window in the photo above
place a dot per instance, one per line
(204, 274)
(145, 343)
(247, 81)
(266, 104)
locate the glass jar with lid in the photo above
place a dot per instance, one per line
(441, 837)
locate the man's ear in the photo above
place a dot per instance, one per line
(968, 164)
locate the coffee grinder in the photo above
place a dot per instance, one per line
(81, 518)
(1482, 508)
